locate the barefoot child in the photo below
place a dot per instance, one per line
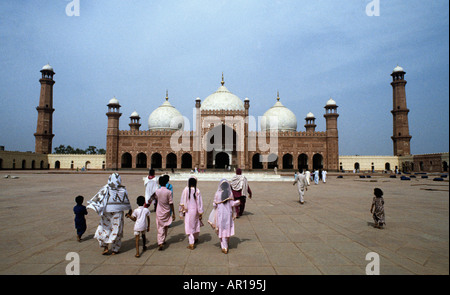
(80, 221)
(378, 204)
(141, 216)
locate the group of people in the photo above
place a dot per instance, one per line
(303, 180)
(112, 201)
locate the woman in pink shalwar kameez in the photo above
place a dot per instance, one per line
(165, 205)
(222, 217)
(191, 208)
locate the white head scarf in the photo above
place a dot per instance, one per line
(112, 197)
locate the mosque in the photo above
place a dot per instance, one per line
(224, 136)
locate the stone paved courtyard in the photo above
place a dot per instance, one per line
(330, 234)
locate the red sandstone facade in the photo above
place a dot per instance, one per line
(135, 148)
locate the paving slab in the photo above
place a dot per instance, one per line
(330, 234)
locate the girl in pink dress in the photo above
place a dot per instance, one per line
(222, 216)
(191, 209)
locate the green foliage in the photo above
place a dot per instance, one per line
(91, 150)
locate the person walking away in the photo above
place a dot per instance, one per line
(302, 185)
(110, 203)
(241, 190)
(191, 209)
(308, 176)
(163, 216)
(151, 186)
(324, 176)
(378, 205)
(80, 221)
(222, 216)
(316, 176)
(141, 217)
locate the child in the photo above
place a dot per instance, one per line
(80, 220)
(163, 215)
(222, 217)
(378, 203)
(141, 216)
(191, 208)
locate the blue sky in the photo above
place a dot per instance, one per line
(309, 50)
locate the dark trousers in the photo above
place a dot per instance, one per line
(240, 209)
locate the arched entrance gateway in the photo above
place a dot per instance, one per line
(141, 160)
(126, 160)
(171, 161)
(186, 161)
(317, 162)
(221, 147)
(303, 162)
(222, 160)
(156, 161)
(288, 161)
(256, 162)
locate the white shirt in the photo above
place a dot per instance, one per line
(141, 214)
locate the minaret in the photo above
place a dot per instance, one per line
(134, 121)
(112, 135)
(247, 161)
(401, 137)
(332, 156)
(44, 129)
(310, 123)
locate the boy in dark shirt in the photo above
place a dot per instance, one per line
(80, 221)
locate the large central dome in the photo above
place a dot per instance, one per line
(222, 100)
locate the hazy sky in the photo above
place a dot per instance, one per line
(309, 50)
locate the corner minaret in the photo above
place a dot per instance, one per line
(310, 123)
(134, 121)
(401, 137)
(44, 129)
(112, 135)
(331, 116)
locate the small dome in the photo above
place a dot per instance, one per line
(398, 69)
(286, 118)
(47, 67)
(165, 117)
(113, 101)
(310, 116)
(224, 100)
(134, 115)
(331, 102)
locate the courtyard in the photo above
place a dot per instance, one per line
(329, 235)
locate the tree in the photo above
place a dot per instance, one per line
(91, 150)
(69, 150)
(60, 149)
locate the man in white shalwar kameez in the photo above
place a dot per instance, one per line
(324, 176)
(302, 185)
(150, 187)
(308, 176)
